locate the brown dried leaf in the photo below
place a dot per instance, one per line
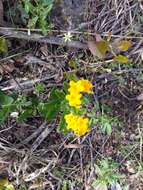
(7, 68)
(20, 61)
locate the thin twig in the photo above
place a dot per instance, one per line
(41, 137)
(33, 135)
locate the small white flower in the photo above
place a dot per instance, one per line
(67, 36)
(29, 32)
(14, 114)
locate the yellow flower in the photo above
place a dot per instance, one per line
(74, 87)
(70, 120)
(80, 86)
(74, 99)
(69, 117)
(82, 126)
(78, 124)
(85, 85)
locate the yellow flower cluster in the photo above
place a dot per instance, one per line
(77, 123)
(75, 89)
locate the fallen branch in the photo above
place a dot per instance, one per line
(41, 39)
(26, 84)
(41, 137)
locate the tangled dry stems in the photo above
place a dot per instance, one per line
(39, 156)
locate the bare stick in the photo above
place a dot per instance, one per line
(33, 135)
(26, 84)
(41, 39)
(41, 137)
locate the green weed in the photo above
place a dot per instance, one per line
(106, 171)
(38, 11)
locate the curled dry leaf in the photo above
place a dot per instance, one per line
(98, 48)
(20, 61)
(121, 45)
(124, 45)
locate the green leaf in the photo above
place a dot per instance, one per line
(27, 6)
(56, 95)
(65, 185)
(86, 100)
(5, 100)
(73, 63)
(39, 88)
(25, 114)
(82, 111)
(71, 76)
(107, 128)
(103, 47)
(47, 3)
(9, 187)
(99, 49)
(43, 26)
(4, 112)
(48, 9)
(3, 182)
(5, 106)
(3, 45)
(62, 125)
(65, 87)
(33, 101)
(124, 45)
(49, 110)
(32, 22)
(121, 59)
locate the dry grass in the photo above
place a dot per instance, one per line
(34, 154)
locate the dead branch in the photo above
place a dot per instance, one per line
(26, 84)
(41, 137)
(41, 39)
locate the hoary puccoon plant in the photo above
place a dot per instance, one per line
(79, 114)
(72, 104)
(77, 120)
